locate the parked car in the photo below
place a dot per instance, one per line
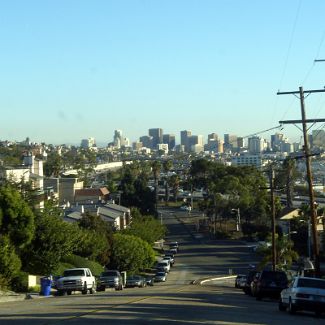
(135, 281)
(247, 284)
(186, 208)
(160, 276)
(150, 280)
(269, 284)
(240, 280)
(77, 279)
(170, 259)
(110, 279)
(163, 265)
(304, 293)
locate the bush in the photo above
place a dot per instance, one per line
(20, 282)
(4, 283)
(221, 234)
(255, 232)
(36, 288)
(62, 267)
(78, 261)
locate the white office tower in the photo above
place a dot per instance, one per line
(119, 140)
(88, 143)
(255, 145)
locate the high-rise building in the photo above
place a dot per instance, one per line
(195, 143)
(185, 135)
(255, 145)
(146, 141)
(157, 136)
(240, 142)
(170, 140)
(88, 143)
(318, 138)
(230, 142)
(213, 136)
(120, 141)
(276, 140)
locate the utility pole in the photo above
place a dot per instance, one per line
(274, 257)
(304, 121)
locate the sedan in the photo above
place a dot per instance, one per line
(304, 293)
(150, 280)
(135, 281)
(160, 277)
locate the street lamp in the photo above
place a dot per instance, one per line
(237, 211)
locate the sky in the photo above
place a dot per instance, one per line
(76, 69)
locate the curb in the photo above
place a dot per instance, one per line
(199, 282)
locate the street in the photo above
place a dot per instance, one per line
(175, 301)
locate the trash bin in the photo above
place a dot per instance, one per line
(46, 284)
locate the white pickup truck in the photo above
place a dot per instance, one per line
(78, 279)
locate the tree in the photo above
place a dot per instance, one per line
(135, 190)
(174, 182)
(131, 253)
(10, 263)
(96, 238)
(156, 168)
(167, 166)
(147, 228)
(54, 239)
(93, 245)
(286, 178)
(53, 165)
(285, 254)
(16, 217)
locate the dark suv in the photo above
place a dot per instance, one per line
(269, 284)
(110, 279)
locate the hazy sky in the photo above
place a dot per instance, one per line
(75, 69)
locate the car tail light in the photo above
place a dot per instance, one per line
(302, 295)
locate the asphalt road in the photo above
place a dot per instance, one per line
(176, 301)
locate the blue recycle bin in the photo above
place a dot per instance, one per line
(46, 284)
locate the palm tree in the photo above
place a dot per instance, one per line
(156, 167)
(174, 183)
(285, 253)
(167, 165)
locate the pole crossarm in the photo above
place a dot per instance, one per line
(315, 120)
(298, 92)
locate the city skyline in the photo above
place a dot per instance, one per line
(79, 69)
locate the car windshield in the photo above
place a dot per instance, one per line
(73, 273)
(311, 283)
(109, 273)
(270, 275)
(160, 274)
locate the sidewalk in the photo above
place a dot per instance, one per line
(6, 296)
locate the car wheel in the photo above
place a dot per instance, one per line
(282, 307)
(84, 291)
(258, 297)
(292, 308)
(93, 289)
(318, 313)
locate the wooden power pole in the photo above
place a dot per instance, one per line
(304, 121)
(274, 257)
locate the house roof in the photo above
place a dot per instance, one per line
(75, 216)
(92, 192)
(117, 207)
(289, 213)
(103, 211)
